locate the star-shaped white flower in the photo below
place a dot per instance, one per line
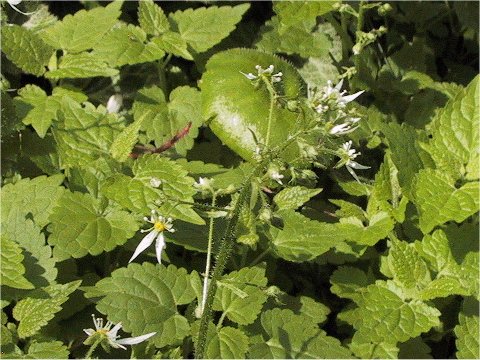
(110, 334)
(347, 127)
(349, 155)
(160, 224)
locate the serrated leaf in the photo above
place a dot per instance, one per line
(84, 133)
(202, 28)
(242, 301)
(152, 19)
(294, 197)
(12, 270)
(39, 263)
(126, 44)
(47, 350)
(173, 43)
(124, 142)
(382, 316)
(29, 196)
(406, 153)
(81, 31)
(294, 12)
(144, 298)
(25, 49)
(164, 121)
(81, 225)
(293, 336)
(379, 226)
(369, 350)
(302, 239)
(238, 108)
(438, 200)
(455, 133)
(467, 331)
(40, 307)
(77, 66)
(407, 266)
(225, 343)
(137, 193)
(347, 280)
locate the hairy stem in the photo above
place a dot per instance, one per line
(209, 259)
(90, 351)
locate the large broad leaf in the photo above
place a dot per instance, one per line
(12, 269)
(40, 307)
(144, 298)
(82, 65)
(237, 108)
(25, 49)
(289, 336)
(438, 199)
(455, 135)
(81, 225)
(203, 28)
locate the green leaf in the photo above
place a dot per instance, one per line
(84, 29)
(84, 65)
(40, 307)
(369, 350)
(37, 197)
(302, 239)
(125, 44)
(239, 295)
(164, 121)
(438, 200)
(467, 331)
(455, 133)
(294, 197)
(173, 43)
(406, 154)
(39, 263)
(379, 226)
(137, 193)
(202, 28)
(290, 336)
(85, 133)
(12, 270)
(347, 280)
(225, 343)
(299, 39)
(124, 142)
(238, 108)
(144, 298)
(414, 348)
(81, 225)
(293, 12)
(406, 265)
(25, 49)
(382, 316)
(47, 350)
(152, 19)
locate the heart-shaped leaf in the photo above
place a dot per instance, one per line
(239, 108)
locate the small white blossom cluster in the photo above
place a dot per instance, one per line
(347, 156)
(110, 336)
(266, 73)
(330, 102)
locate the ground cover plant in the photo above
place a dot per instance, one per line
(239, 179)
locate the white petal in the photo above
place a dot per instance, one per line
(135, 340)
(159, 245)
(89, 332)
(145, 243)
(348, 98)
(14, 2)
(357, 166)
(113, 333)
(114, 103)
(338, 87)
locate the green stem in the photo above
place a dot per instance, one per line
(273, 98)
(209, 259)
(90, 351)
(259, 257)
(220, 321)
(361, 16)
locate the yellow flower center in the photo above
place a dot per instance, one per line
(159, 226)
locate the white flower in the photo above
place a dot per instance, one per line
(268, 72)
(350, 155)
(114, 103)
(275, 175)
(111, 334)
(204, 184)
(345, 128)
(160, 224)
(249, 76)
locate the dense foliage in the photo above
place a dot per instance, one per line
(240, 180)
